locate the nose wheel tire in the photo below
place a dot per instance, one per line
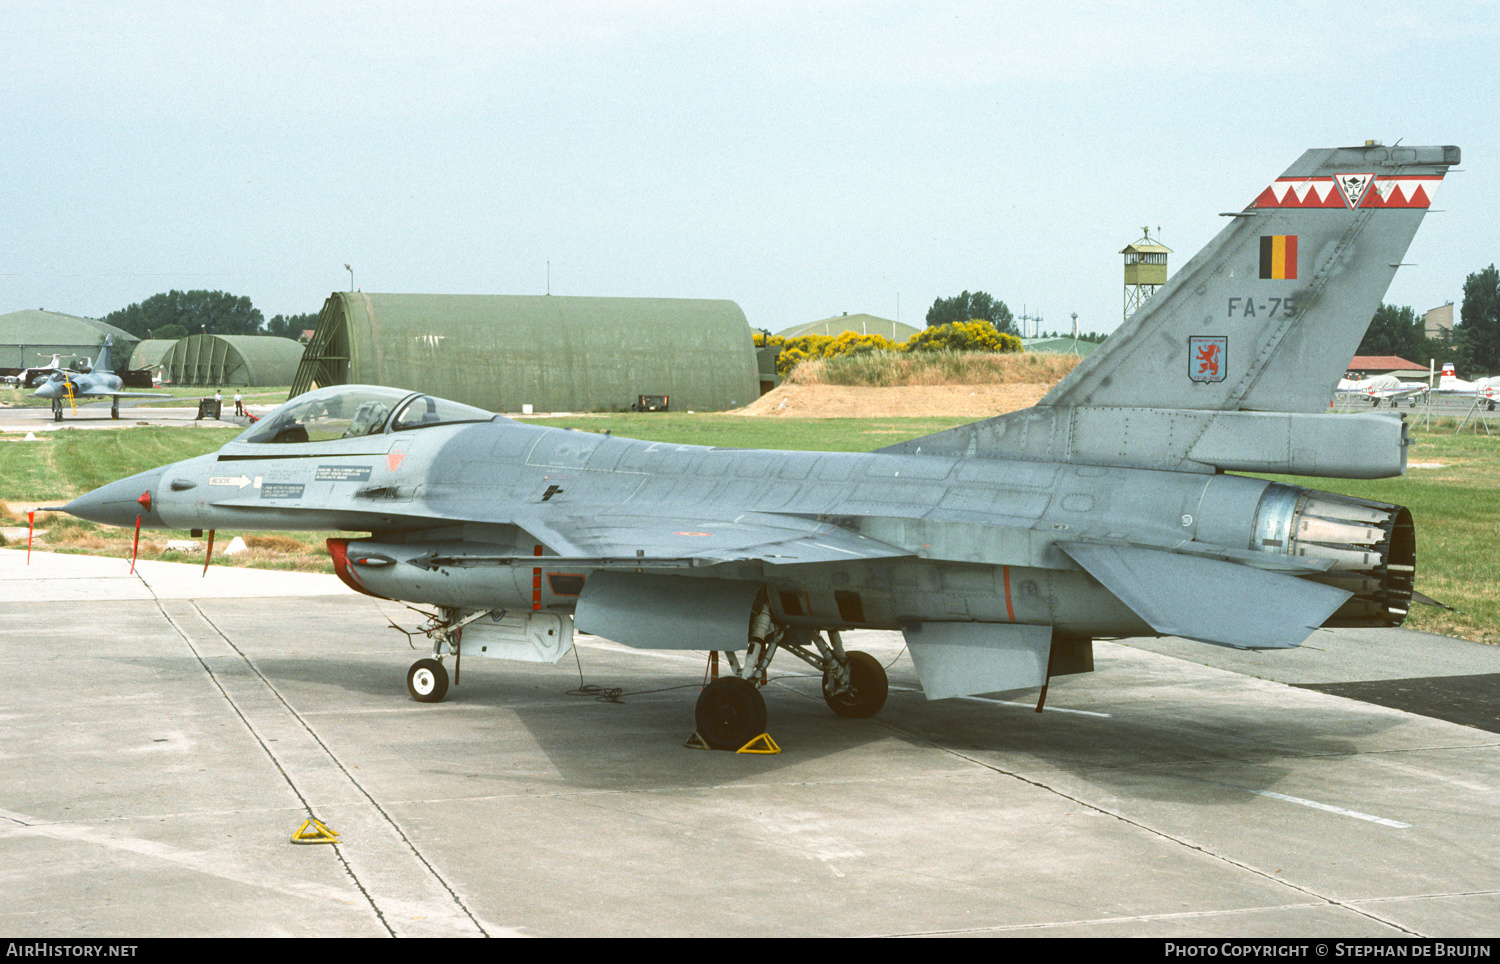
(731, 712)
(867, 691)
(427, 681)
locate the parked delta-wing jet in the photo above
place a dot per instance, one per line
(99, 383)
(1000, 549)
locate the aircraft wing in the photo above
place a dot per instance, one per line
(677, 541)
(95, 393)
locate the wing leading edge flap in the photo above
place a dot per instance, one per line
(961, 659)
(773, 539)
(1210, 600)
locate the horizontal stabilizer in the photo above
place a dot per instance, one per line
(1210, 600)
(961, 659)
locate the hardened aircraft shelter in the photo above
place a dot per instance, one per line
(860, 324)
(217, 360)
(29, 338)
(553, 353)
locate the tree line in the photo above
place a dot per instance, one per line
(1474, 348)
(1394, 330)
(177, 314)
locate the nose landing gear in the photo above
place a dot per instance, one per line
(427, 681)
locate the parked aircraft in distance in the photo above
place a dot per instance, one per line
(1450, 384)
(100, 382)
(1378, 388)
(1000, 549)
(34, 376)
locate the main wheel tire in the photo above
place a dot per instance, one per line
(731, 712)
(427, 681)
(868, 687)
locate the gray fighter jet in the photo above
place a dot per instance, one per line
(1000, 549)
(100, 382)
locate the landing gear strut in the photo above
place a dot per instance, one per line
(731, 711)
(427, 680)
(860, 691)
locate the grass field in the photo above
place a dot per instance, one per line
(1456, 502)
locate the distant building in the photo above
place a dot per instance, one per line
(217, 360)
(1437, 323)
(149, 353)
(553, 353)
(1060, 346)
(1371, 365)
(31, 337)
(860, 324)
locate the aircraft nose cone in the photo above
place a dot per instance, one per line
(119, 503)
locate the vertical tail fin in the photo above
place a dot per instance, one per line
(1232, 362)
(1267, 316)
(102, 363)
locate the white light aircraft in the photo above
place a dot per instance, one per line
(1380, 387)
(1450, 384)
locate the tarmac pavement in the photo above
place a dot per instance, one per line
(94, 414)
(167, 733)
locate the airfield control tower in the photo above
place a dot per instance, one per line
(1145, 271)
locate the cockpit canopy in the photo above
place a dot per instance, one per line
(351, 411)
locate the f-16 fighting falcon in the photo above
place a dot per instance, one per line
(1000, 549)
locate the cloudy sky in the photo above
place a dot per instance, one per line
(801, 159)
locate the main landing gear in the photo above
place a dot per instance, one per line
(731, 711)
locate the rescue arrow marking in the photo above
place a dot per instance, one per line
(238, 483)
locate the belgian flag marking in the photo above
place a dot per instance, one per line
(1278, 256)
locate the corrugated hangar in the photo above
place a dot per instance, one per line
(149, 353)
(30, 338)
(554, 353)
(214, 360)
(861, 324)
